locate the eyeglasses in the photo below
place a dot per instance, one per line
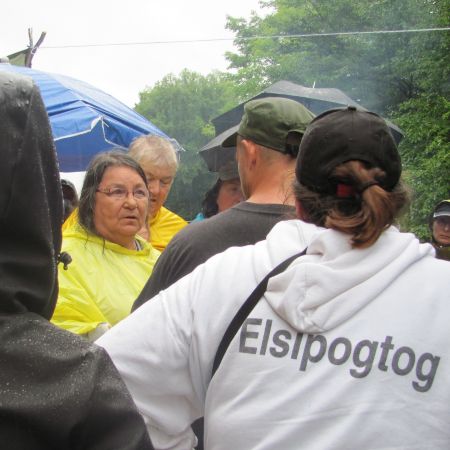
(119, 193)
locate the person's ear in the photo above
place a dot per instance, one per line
(251, 151)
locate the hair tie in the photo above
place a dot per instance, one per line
(366, 185)
(345, 190)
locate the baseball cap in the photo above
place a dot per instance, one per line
(442, 209)
(268, 121)
(344, 134)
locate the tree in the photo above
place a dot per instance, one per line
(426, 156)
(183, 107)
(404, 76)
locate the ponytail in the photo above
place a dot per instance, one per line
(360, 207)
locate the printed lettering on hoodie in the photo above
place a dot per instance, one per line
(257, 338)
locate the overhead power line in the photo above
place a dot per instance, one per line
(249, 38)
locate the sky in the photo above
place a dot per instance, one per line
(123, 70)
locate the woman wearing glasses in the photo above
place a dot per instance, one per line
(110, 263)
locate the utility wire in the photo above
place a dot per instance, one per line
(249, 38)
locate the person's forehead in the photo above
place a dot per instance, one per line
(158, 171)
(121, 174)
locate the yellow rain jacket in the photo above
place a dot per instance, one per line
(102, 281)
(163, 226)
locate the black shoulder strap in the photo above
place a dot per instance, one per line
(247, 308)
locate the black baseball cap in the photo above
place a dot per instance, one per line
(340, 135)
(442, 209)
(268, 121)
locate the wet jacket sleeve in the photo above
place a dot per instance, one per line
(62, 392)
(112, 421)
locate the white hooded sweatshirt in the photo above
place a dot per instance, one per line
(348, 348)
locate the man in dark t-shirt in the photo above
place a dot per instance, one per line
(244, 224)
(267, 143)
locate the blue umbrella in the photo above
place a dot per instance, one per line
(84, 119)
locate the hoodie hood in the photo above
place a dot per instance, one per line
(30, 201)
(333, 281)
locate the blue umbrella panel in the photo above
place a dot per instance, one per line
(84, 119)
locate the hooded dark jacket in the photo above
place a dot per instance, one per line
(56, 390)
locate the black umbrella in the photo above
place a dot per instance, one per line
(317, 100)
(214, 154)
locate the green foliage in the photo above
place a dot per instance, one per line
(183, 107)
(381, 70)
(425, 156)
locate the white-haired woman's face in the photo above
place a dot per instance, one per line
(159, 179)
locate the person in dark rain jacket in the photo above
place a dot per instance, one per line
(57, 391)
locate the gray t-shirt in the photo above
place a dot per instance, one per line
(244, 224)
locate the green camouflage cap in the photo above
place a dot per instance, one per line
(268, 121)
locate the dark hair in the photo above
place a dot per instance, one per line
(93, 178)
(209, 204)
(70, 197)
(364, 215)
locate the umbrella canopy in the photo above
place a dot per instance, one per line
(84, 119)
(214, 154)
(317, 100)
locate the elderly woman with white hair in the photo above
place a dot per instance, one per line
(158, 159)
